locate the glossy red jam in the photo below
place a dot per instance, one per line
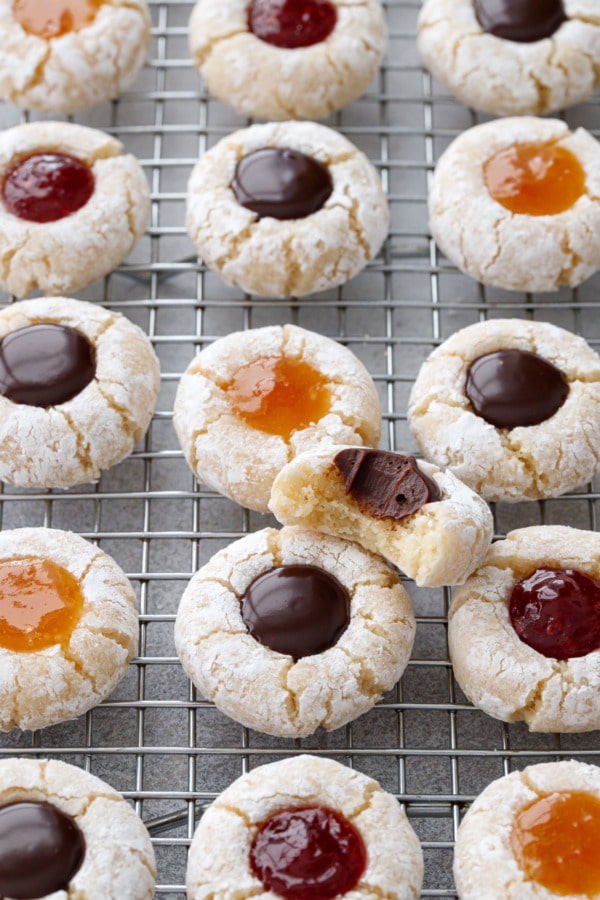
(557, 612)
(309, 853)
(47, 186)
(292, 23)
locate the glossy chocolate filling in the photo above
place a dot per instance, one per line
(523, 21)
(281, 183)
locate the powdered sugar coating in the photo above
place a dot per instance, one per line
(263, 81)
(62, 682)
(269, 691)
(78, 69)
(218, 864)
(242, 462)
(515, 251)
(72, 443)
(523, 463)
(63, 256)
(505, 77)
(499, 673)
(292, 256)
(441, 543)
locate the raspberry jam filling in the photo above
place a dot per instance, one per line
(47, 186)
(513, 388)
(292, 23)
(53, 18)
(557, 612)
(40, 604)
(281, 183)
(279, 395)
(307, 853)
(535, 179)
(524, 21)
(298, 610)
(555, 841)
(45, 365)
(41, 849)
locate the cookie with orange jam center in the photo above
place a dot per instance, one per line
(53, 18)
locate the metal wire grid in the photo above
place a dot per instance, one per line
(155, 740)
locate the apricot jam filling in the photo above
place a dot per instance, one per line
(40, 604)
(555, 841)
(535, 179)
(53, 18)
(279, 395)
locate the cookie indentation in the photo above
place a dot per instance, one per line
(292, 23)
(47, 186)
(523, 21)
(53, 18)
(281, 183)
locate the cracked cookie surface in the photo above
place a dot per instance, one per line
(498, 672)
(271, 691)
(219, 863)
(516, 251)
(297, 256)
(511, 464)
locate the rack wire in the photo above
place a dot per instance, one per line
(155, 739)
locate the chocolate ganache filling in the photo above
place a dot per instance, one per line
(524, 21)
(281, 183)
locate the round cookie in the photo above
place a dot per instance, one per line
(560, 858)
(317, 215)
(78, 386)
(435, 533)
(63, 253)
(551, 61)
(312, 391)
(65, 644)
(528, 250)
(47, 65)
(334, 660)
(68, 833)
(497, 456)
(265, 77)
(221, 853)
(499, 671)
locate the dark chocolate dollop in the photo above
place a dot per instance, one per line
(523, 21)
(281, 183)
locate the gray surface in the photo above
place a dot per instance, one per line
(155, 740)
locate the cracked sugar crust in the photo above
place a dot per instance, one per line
(504, 77)
(524, 463)
(439, 544)
(218, 863)
(62, 682)
(485, 867)
(63, 256)
(72, 443)
(277, 257)
(499, 673)
(263, 81)
(79, 69)
(515, 251)
(242, 462)
(269, 691)
(119, 859)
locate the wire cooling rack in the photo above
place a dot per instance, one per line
(155, 739)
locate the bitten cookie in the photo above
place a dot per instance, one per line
(78, 386)
(288, 208)
(68, 626)
(532, 835)
(512, 408)
(513, 58)
(371, 848)
(72, 206)
(524, 630)
(515, 203)
(287, 60)
(425, 521)
(66, 833)
(251, 401)
(286, 631)
(62, 57)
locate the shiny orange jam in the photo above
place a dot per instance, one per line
(40, 604)
(555, 840)
(536, 179)
(279, 395)
(53, 18)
